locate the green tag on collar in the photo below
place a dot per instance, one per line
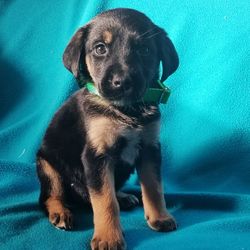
(157, 95)
(152, 95)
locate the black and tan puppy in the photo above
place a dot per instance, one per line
(95, 141)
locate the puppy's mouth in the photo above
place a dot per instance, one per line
(125, 97)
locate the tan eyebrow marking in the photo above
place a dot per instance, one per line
(107, 36)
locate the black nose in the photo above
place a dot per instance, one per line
(116, 83)
(121, 83)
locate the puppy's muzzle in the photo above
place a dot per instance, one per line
(121, 83)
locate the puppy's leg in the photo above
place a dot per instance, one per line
(149, 173)
(51, 196)
(126, 201)
(100, 182)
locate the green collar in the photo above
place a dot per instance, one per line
(152, 95)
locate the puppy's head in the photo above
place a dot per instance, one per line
(120, 50)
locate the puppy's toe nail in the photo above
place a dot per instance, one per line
(128, 202)
(62, 220)
(94, 244)
(62, 225)
(55, 218)
(103, 245)
(134, 199)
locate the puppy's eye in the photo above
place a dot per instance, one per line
(143, 50)
(100, 49)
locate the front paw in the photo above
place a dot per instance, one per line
(127, 201)
(104, 242)
(61, 219)
(162, 224)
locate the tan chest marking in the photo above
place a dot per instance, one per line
(149, 135)
(102, 133)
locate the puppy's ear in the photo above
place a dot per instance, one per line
(168, 55)
(74, 54)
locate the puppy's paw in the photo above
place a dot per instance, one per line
(164, 224)
(127, 201)
(100, 243)
(61, 219)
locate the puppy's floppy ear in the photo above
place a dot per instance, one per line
(74, 54)
(168, 55)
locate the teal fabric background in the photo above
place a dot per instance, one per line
(205, 128)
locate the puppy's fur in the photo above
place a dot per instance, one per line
(94, 143)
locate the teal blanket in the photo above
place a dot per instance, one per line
(205, 129)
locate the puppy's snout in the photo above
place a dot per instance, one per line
(116, 82)
(121, 83)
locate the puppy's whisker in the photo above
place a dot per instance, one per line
(155, 34)
(145, 33)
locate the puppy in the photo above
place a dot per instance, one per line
(96, 140)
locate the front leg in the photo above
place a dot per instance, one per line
(100, 182)
(149, 172)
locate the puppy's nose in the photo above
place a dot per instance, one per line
(121, 83)
(117, 83)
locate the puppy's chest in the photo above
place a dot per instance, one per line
(130, 149)
(107, 135)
